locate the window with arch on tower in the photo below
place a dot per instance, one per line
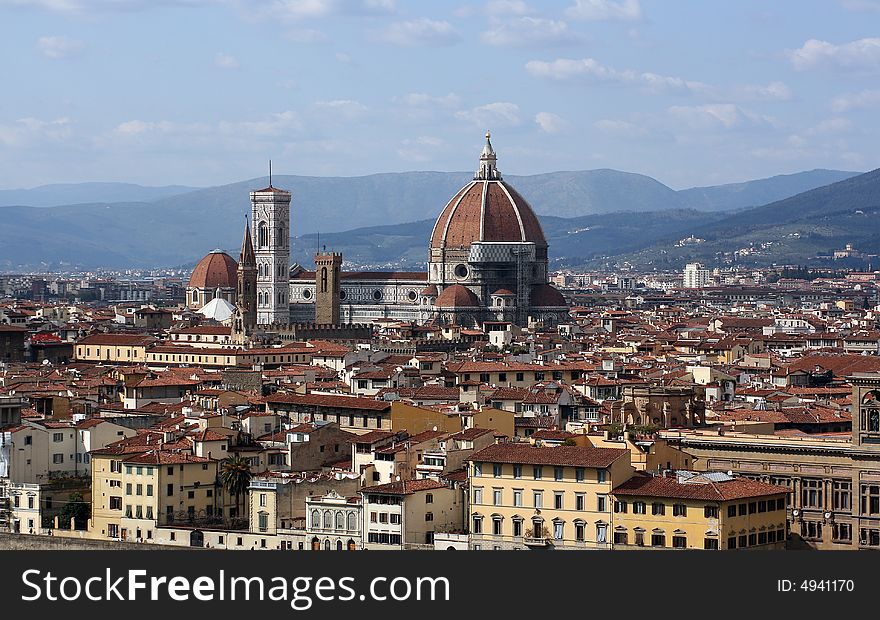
(263, 234)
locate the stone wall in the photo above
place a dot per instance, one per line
(31, 542)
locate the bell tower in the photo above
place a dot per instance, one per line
(328, 270)
(270, 212)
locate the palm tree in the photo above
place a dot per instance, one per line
(235, 476)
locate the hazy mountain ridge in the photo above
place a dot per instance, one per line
(180, 228)
(60, 194)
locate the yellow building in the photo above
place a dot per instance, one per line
(136, 489)
(687, 510)
(522, 496)
(117, 348)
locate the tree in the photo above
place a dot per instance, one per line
(235, 476)
(77, 509)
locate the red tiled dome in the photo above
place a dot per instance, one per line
(486, 210)
(457, 296)
(216, 270)
(430, 291)
(545, 295)
(503, 292)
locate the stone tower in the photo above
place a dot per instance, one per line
(247, 284)
(328, 268)
(270, 210)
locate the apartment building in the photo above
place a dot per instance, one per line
(528, 497)
(406, 514)
(687, 510)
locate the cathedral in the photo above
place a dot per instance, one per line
(487, 261)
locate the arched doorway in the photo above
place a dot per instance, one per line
(339, 545)
(351, 545)
(196, 538)
(327, 545)
(316, 544)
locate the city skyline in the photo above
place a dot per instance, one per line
(203, 92)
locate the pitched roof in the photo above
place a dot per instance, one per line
(405, 487)
(662, 486)
(573, 456)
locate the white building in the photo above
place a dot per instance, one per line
(695, 276)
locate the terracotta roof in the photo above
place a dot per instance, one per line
(165, 457)
(217, 269)
(121, 340)
(486, 210)
(572, 456)
(327, 400)
(405, 487)
(661, 486)
(457, 296)
(544, 295)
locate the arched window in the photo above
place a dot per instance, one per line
(352, 521)
(195, 296)
(263, 235)
(328, 520)
(323, 279)
(340, 521)
(316, 518)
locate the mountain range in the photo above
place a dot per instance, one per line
(586, 214)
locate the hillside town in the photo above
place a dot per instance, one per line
(486, 403)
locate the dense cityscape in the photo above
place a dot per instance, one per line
(485, 403)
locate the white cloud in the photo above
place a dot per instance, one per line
(138, 127)
(549, 122)
(831, 126)
(619, 128)
(316, 9)
(28, 131)
(717, 116)
(861, 54)
(74, 6)
(855, 101)
(58, 47)
(225, 61)
(496, 114)
(341, 109)
(569, 68)
(774, 91)
(421, 31)
(508, 7)
(343, 58)
(419, 100)
(600, 10)
(420, 149)
(527, 31)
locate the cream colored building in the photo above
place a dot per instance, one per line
(687, 510)
(113, 348)
(527, 497)
(407, 514)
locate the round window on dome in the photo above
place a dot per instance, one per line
(307, 294)
(377, 295)
(412, 295)
(461, 271)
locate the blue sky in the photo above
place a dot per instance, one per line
(203, 92)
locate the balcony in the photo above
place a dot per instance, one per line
(531, 541)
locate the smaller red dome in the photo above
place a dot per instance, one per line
(430, 291)
(503, 292)
(545, 295)
(457, 296)
(217, 270)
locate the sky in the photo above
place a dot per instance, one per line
(204, 92)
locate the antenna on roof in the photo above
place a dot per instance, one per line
(270, 173)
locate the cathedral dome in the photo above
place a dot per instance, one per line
(457, 296)
(217, 270)
(486, 209)
(546, 295)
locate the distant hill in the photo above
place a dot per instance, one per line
(76, 193)
(180, 228)
(795, 229)
(760, 192)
